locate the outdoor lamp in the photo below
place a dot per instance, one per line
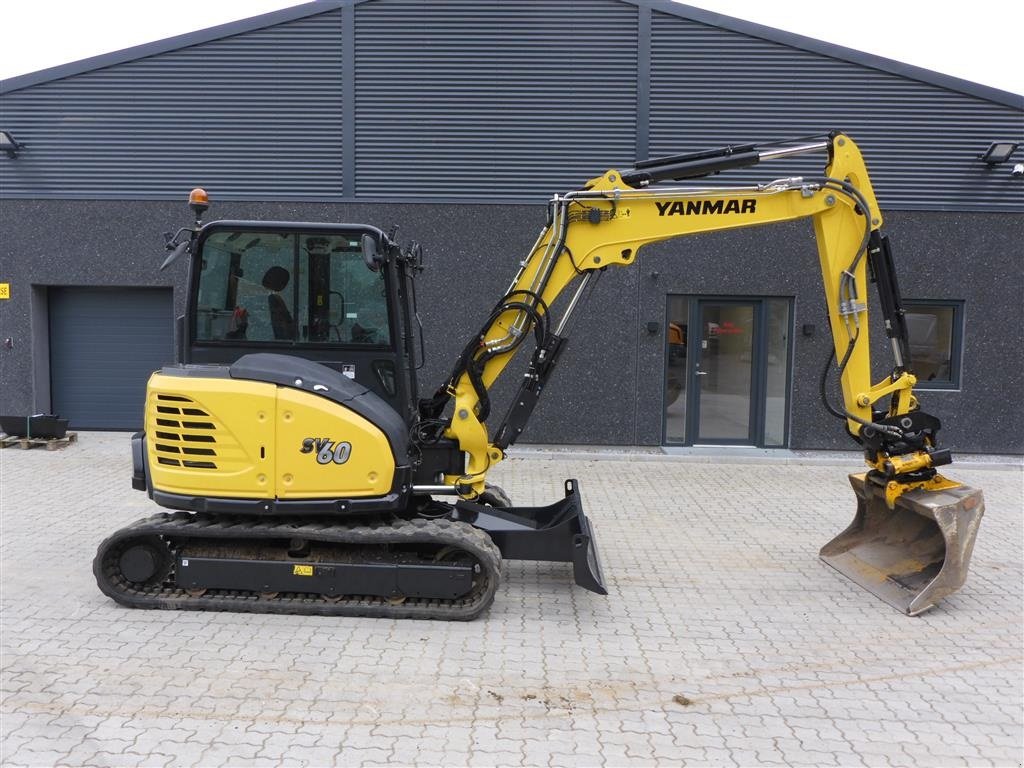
(998, 152)
(9, 144)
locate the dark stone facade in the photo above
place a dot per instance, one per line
(609, 388)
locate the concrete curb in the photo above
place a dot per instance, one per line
(730, 455)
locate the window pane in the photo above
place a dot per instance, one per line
(725, 364)
(777, 364)
(341, 300)
(931, 331)
(245, 288)
(675, 380)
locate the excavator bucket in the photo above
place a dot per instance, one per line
(911, 556)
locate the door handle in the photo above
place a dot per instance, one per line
(702, 373)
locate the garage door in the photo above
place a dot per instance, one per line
(104, 343)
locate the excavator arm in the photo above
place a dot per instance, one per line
(614, 215)
(607, 222)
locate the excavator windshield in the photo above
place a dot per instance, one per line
(288, 287)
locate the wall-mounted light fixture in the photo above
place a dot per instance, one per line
(998, 152)
(9, 144)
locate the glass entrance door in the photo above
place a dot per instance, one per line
(724, 372)
(727, 372)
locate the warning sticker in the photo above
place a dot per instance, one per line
(302, 570)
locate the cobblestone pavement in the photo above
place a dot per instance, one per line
(723, 641)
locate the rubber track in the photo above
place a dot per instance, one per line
(179, 526)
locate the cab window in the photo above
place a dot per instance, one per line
(289, 288)
(341, 300)
(245, 288)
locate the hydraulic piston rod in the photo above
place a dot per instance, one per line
(698, 164)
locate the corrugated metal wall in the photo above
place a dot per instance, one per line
(253, 116)
(456, 100)
(711, 87)
(461, 99)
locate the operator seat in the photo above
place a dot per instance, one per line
(281, 321)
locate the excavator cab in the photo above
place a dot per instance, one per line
(302, 289)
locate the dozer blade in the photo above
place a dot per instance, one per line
(911, 556)
(559, 533)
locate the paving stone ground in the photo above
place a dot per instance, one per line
(724, 640)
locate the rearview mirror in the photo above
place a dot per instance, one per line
(175, 255)
(370, 255)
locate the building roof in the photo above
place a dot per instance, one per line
(699, 15)
(175, 43)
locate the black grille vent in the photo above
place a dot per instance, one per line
(173, 443)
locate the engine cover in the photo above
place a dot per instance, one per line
(211, 434)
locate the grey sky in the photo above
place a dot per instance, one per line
(977, 41)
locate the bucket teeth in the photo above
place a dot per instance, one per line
(911, 556)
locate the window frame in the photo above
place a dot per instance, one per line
(956, 343)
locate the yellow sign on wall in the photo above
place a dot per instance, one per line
(5, 290)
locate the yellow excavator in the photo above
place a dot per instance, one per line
(306, 475)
